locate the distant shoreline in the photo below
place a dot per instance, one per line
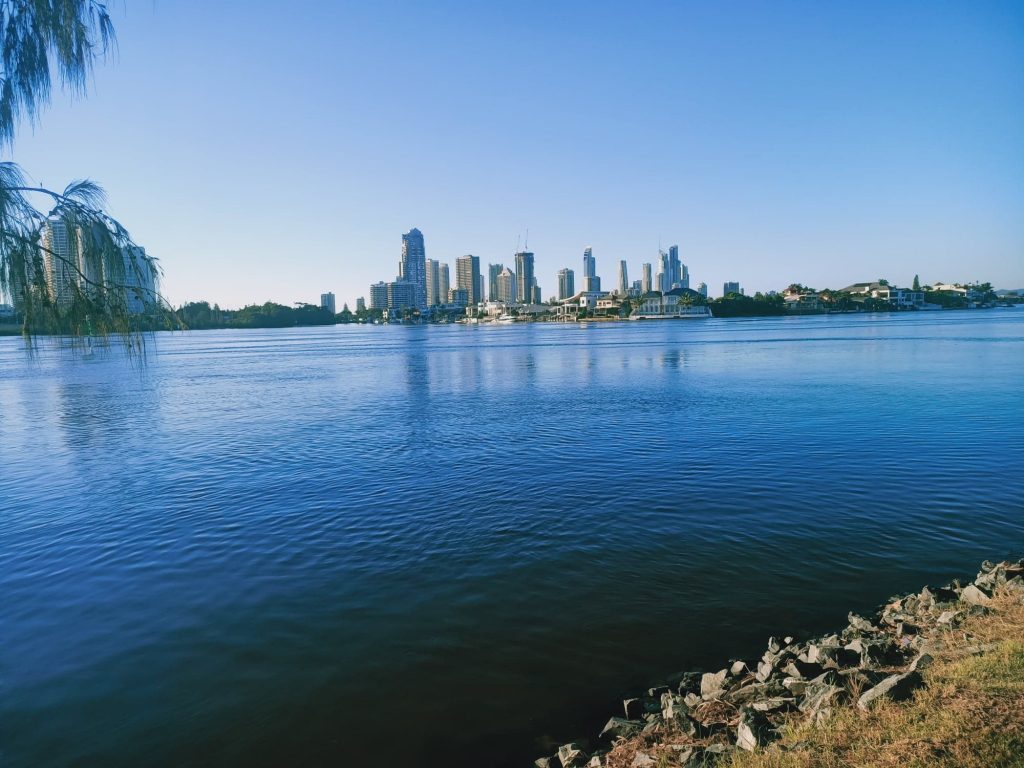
(16, 330)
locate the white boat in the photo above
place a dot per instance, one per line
(506, 319)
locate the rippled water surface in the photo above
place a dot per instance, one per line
(413, 546)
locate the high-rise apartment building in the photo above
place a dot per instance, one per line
(443, 283)
(433, 285)
(140, 280)
(327, 302)
(467, 278)
(591, 282)
(566, 283)
(493, 270)
(506, 286)
(646, 285)
(702, 289)
(731, 288)
(675, 266)
(360, 304)
(623, 279)
(413, 266)
(402, 295)
(379, 295)
(60, 260)
(525, 280)
(397, 295)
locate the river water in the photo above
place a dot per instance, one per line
(418, 546)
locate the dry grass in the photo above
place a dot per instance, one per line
(970, 714)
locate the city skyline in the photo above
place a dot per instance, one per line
(778, 141)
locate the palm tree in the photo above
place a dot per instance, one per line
(102, 274)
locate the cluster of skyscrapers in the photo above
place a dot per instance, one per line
(424, 283)
(66, 270)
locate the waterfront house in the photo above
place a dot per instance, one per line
(897, 298)
(802, 301)
(677, 303)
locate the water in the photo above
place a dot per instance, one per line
(413, 546)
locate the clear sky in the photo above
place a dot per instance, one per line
(269, 151)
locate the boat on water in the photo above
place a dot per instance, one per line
(506, 318)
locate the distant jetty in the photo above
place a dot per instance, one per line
(773, 706)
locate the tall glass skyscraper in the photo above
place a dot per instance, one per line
(524, 277)
(591, 282)
(493, 270)
(566, 283)
(413, 266)
(467, 277)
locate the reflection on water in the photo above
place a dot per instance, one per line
(262, 543)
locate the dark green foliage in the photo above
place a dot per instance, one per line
(738, 305)
(103, 274)
(199, 315)
(44, 35)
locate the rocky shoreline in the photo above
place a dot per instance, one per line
(697, 719)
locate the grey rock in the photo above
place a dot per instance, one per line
(687, 682)
(845, 657)
(653, 722)
(894, 687)
(774, 704)
(949, 617)
(717, 750)
(738, 668)
(937, 596)
(921, 661)
(692, 700)
(795, 685)
(643, 760)
(655, 693)
(571, 755)
(977, 650)
(711, 684)
(828, 677)
(683, 753)
(764, 671)
(861, 624)
(974, 596)
(545, 762)
(754, 730)
(820, 696)
(807, 670)
(618, 727)
(744, 694)
(597, 761)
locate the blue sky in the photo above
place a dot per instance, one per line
(272, 152)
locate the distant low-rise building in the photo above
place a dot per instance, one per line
(458, 297)
(802, 301)
(393, 296)
(677, 303)
(379, 295)
(898, 298)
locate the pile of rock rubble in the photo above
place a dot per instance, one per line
(697, 718)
